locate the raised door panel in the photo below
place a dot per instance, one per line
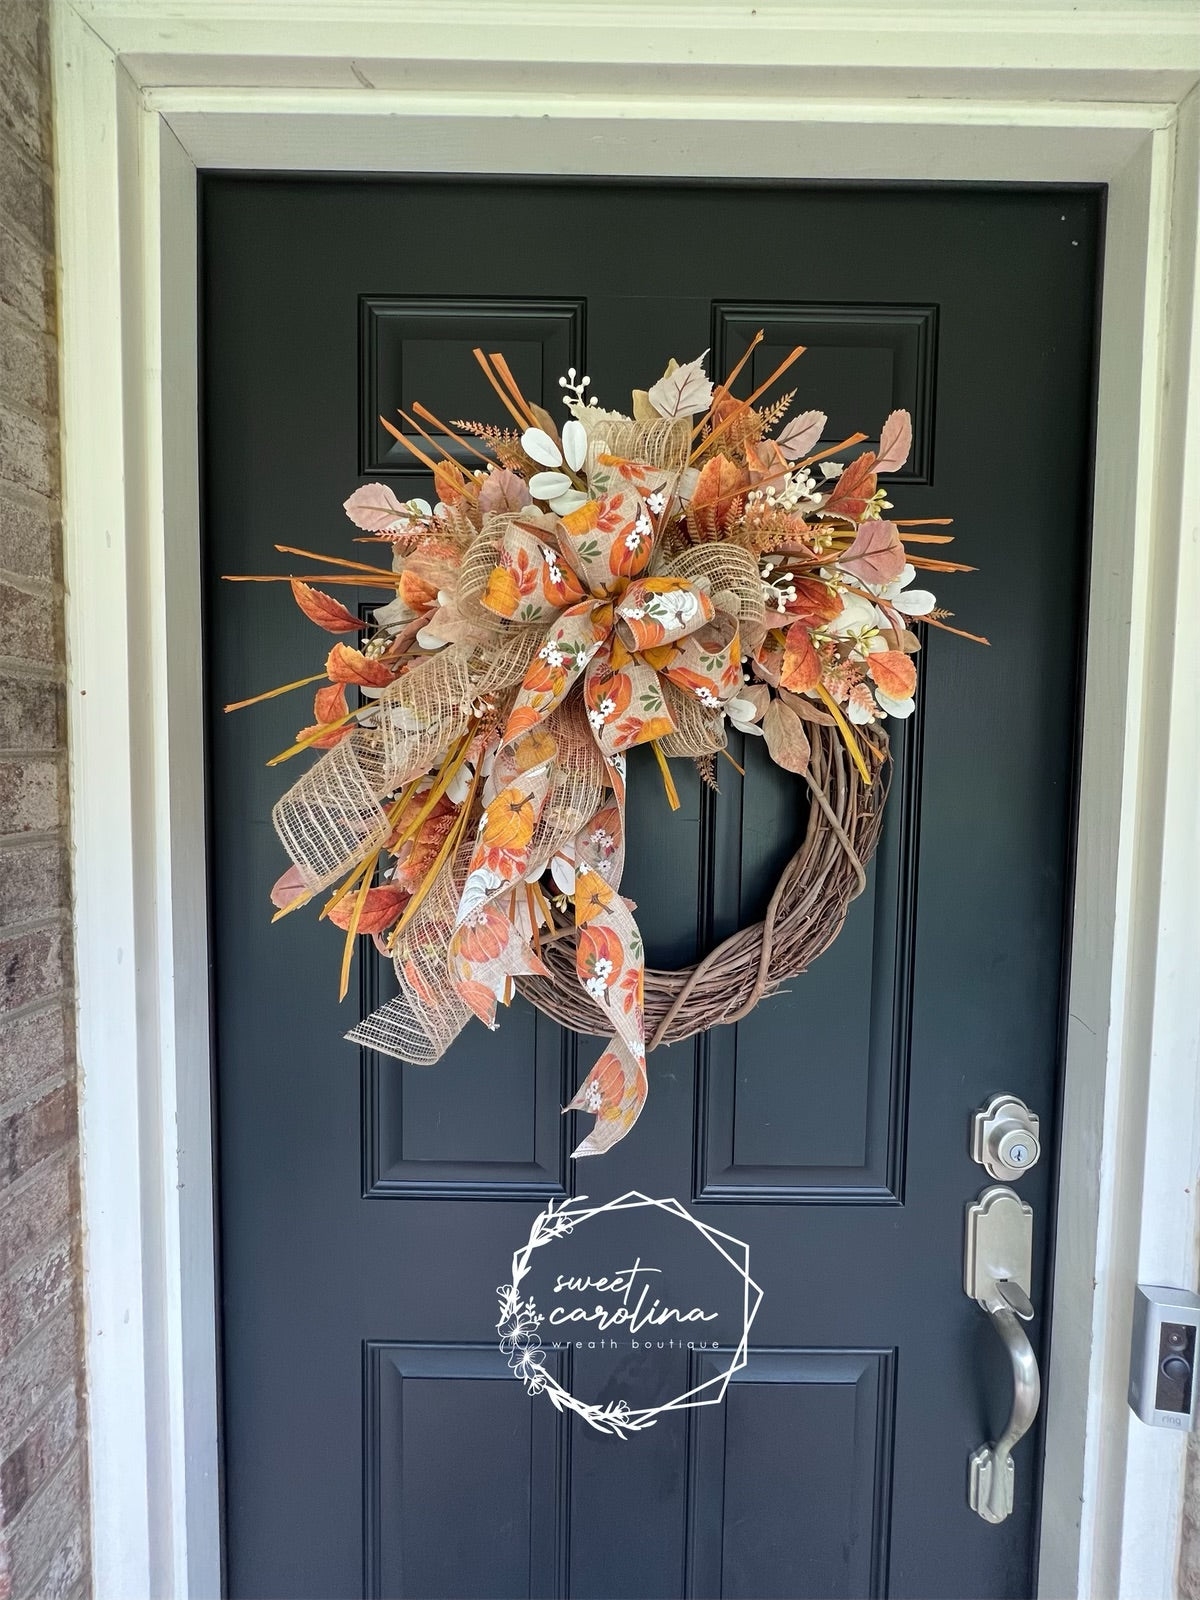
(414, 348)
(799, 1460)
(463, 1476)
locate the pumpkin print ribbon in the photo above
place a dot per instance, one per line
(626, 633)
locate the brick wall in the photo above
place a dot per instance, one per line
(43, 1490)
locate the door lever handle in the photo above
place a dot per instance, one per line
(997, 1275)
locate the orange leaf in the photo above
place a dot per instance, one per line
(379, 910)
(346, 665)
(324, 610)
(720, 483)
(319, 740)
(801, 664)
(893, 672)
(417, 592)
(815, 602)
(853, 489)
(329, 704)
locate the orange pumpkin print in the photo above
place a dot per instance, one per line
(592, 896)
(509, 820)
(607, 695)
(501, 593)
(631, 546)
(483, 934)
(599, 959)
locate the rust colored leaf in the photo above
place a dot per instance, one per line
(324, 610)
(346, 665)
(329, 704)
(853, 490)
(801, 663)
(815, 602)
(379, 910)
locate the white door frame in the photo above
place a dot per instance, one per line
(147, 91)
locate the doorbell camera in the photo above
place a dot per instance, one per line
(1163, 1386)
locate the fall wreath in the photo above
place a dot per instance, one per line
(653, 578)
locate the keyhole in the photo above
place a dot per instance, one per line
(1018, 1155)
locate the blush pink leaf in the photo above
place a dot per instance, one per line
(799, 435)
(876, 555)
(895, 441)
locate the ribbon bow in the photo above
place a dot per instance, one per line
(638, 642)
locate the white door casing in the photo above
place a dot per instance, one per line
(146, 92)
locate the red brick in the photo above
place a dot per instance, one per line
(35, 1049)
(34, 1291)
(34, 1132)
(28, 371)
(30, 532)
(34, 1373)
(25, 193)
(44, 1542)
(33, 881)
(31, 966)
(23, 28)
(22, 107)
(31, 795)
(28, 449)
(29, 627)
(31, 713)
(27, 1467)
(35, 1211)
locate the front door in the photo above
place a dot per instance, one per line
(375, 1440)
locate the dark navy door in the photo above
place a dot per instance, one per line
(375, 1441)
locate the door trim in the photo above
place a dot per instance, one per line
(146, 91)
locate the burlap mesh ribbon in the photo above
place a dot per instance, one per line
(682, 640)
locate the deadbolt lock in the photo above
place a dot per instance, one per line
(1005, 1137)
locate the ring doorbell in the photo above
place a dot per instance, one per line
(1163, 1386)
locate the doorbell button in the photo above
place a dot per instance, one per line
(1162, 1361)
(1005, 1137)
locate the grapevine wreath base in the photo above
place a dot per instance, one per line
(803, 918)
(657, 578)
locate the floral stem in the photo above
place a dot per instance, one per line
(269, 694)
(668, 781)
(848, 738)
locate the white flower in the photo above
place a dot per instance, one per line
(562, 870)
(707, 698)
(597, 988)
(555, 486)
(599, 715)
(603, 967)
(656, 500)
(914, 603)
(895, 708)
(742, 714)
(552, 655)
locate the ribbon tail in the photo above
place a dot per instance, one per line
(614, 1091)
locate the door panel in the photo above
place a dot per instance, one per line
(375, 1441)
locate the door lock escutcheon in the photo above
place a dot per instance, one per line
(1005, 1137)
(997, 1274)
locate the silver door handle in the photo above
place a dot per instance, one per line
(991, 1481)
(996, 1274)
